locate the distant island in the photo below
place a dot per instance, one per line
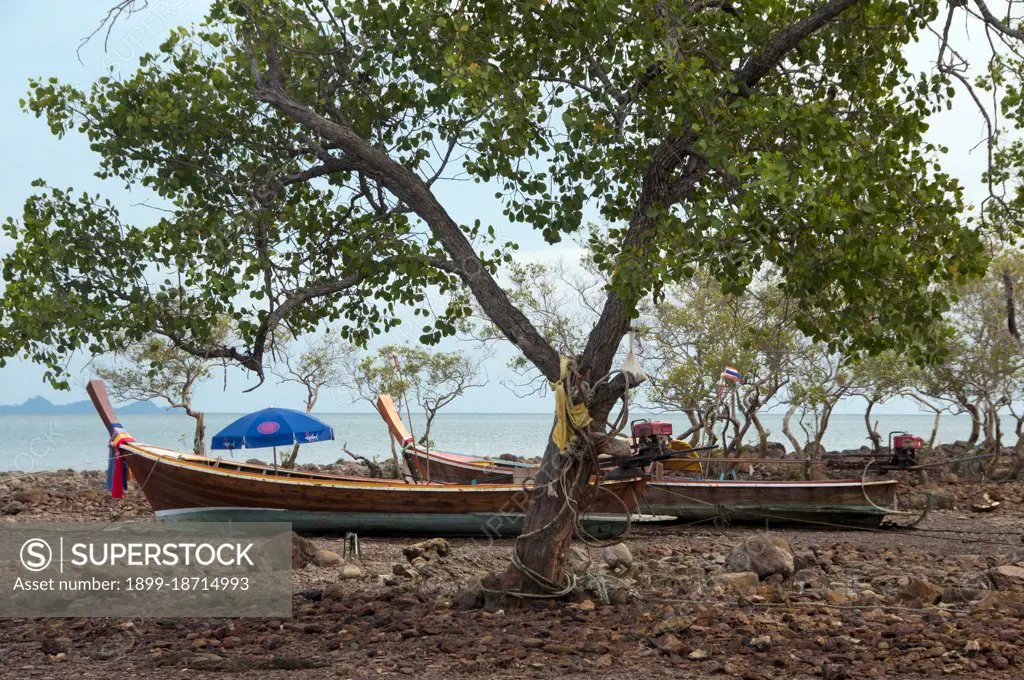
(43, 406)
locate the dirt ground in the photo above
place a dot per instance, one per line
(862, 604)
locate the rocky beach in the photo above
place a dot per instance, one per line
(944, 598)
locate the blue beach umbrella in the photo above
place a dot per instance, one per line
(272, 427)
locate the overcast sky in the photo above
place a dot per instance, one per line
(42, 38)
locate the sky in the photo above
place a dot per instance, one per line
(43, 38)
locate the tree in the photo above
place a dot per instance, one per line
(316, 367)
(984, 368)
(697, 331)
(300, 148)
(880, 378)
(155, 369)
(819, 379)
(432, 379)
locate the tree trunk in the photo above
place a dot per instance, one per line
(819, 435)
(543, 545)
(199, 439)
(762, 434)
(560, 486)
(290, 461)
(696, 425)
(975, 422)
(935, 430)
(788, 432)
(876, 439)
(425, 438)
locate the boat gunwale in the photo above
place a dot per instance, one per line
(138, 448)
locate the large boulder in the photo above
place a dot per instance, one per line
(762, 555)
(1008, 577)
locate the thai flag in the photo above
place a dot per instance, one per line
(732, 374)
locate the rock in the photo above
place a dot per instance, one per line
(762, 556)
(33, 496)
(1007, 635)
(334, 591)
(985, 504)
(254, 461)
(805, 559)
(741, 582)
(972, 647)
(920, 592)
(698, 654)
(761, 643)
(960, 594)
(617, 558)
(403, 570)
(429, 549)
(835, 597)
(951, 478)
(12, 508)
(272, 642)
(676, 624)
(810, 577)
(350, 571)
(1008, 577)
(579, 560)
(326, 558)
(303, 551)
(587, 605)
(833, 671)
(818, 474)
(56, 645)
(669, 644)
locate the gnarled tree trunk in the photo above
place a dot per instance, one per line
(876, 439)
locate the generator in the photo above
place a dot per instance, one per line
(903, 450)
(651, 438)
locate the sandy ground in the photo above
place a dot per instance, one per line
(862, 604)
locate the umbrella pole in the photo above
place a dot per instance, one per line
(275, 460)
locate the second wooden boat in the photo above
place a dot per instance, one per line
(186, 487)
(845, 502)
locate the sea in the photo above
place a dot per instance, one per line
(36, 443)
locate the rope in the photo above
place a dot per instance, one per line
(864, 490)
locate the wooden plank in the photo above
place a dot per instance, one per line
(101, 402)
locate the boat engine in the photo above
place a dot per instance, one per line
(903, 450)
(651, 438)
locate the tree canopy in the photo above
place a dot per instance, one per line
(298, 146)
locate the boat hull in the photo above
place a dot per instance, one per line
(182, 488)
(449, 469)
(823, 503)
(384, 524)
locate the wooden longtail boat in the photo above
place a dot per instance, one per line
(846, 502)
(833, 502)
(447, 468)
(187, 487)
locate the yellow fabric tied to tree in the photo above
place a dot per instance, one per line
(577, 414)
